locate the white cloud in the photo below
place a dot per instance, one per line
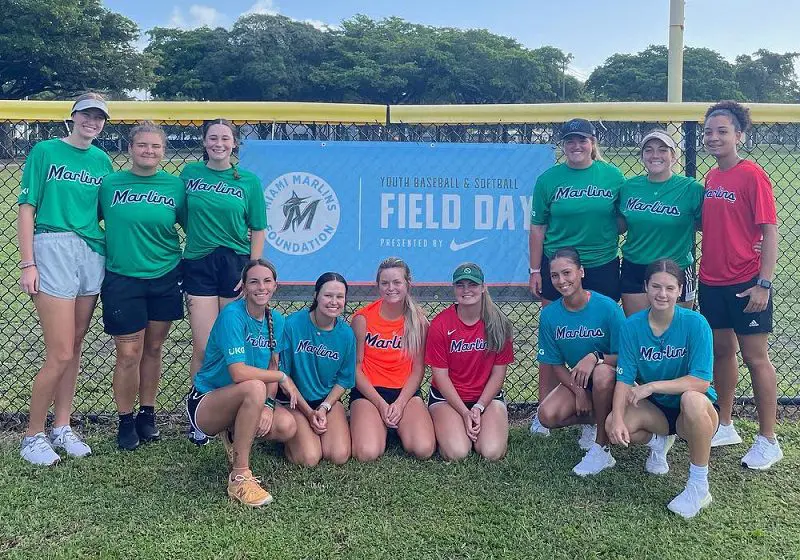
(265, 7)
(321, 25)
(199, 16)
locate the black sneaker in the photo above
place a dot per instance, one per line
(197, 437)
(127, 438)
(146, 427)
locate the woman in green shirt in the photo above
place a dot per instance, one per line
(659, 211)
(574, 205)
(141, 291)
(62, 263)
(226, 224)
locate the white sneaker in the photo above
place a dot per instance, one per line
(537, 428)
(596, 460)
(588, 435)
(726, 435)
(69, 441)
(657, 460)
(762, 454)
(36, 449)
(688, 503)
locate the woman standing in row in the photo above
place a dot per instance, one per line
(736, 279)
(659, 211)
(227, 215)
(141, 292)
(390, 346)
(574, 205)
(62, 261)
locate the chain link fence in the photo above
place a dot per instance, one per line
(775, 146)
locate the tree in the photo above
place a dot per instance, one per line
(191, 64)
(63, 48)
(643, 76)
(768, 77)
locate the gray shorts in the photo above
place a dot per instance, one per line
(67, 267)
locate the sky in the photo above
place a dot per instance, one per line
(590, 30)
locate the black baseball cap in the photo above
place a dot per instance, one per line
(581, 127)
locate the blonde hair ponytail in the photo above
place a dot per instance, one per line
(495, 323)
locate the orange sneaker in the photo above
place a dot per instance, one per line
(246, 488)
(227, 444)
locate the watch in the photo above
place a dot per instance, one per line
(534, 270)
(479, 406)
(600, 357)
(764, 283)
(325, 405)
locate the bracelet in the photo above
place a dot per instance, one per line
(270, 403)
(26, 264)
(282, 379)
(534, 270)
(479, 406)
(326, 405)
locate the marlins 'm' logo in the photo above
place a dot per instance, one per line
(296, 214)
(302, 213)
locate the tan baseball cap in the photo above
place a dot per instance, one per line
(659, 134)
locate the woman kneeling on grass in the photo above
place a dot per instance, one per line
(578, 336)
(667, 350)
(239, 371)
(390, 346)
(320, 355)
(469, 348)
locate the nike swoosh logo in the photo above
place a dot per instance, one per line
(450, 333)
(458, 246)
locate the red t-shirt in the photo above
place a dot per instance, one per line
(461, 349)
(737, 202)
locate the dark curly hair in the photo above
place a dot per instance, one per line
(738, 113)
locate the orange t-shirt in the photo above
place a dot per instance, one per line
(385, 364)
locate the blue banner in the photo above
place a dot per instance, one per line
(345, 206)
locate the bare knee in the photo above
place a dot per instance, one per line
(491, 452)
(284, 427)
(421, 447)
(366, 451)
(60, 358)
(127, 360)
(154, 349)
(693, 404)
(604, 378)
(306, 458)
(756, 361)
(454, 450)
(255, 392)
(339, 455)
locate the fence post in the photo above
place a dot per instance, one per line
(690, 148)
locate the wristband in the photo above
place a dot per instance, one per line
(26, 264)
(479, 406)
(270, 403)
(534, 270)
(326, 405)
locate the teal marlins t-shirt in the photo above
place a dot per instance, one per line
(236, 337)
(315, 359)
(565, 336)
(685, 348)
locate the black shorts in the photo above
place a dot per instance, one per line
(282, 399)
(632, 280)
(129, 303)
(192, 401)
(672, 414)
(435, 397)
(603, 279)
(216, 274)
(723, 310)
(387, 394)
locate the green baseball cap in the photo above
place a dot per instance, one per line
(468, 271)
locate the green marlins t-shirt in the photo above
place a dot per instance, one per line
(140, 214)
(221, 209)
(61, 182)
(578, 206)
(661, 218)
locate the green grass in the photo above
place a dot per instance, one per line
(21, 349)
(167, 500)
